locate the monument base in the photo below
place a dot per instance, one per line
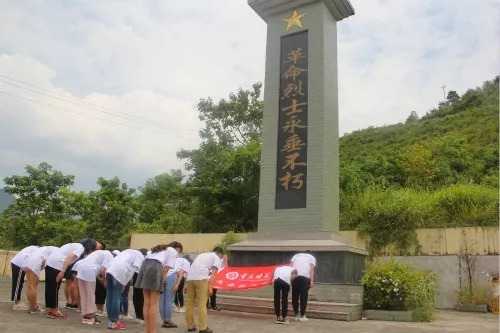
(337, 292)
(337, 262)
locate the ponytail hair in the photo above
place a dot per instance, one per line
(175, 245)
(158, 248)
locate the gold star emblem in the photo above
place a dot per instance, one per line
(293, 20)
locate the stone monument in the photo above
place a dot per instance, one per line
(299, 179)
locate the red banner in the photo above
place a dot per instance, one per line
(238, 278)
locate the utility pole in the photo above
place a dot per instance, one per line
(444, 92)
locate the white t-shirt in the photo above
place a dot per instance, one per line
(76, 265)
(166, 257)
(302, 263)
(284, 273)
(125, 264)
(35, 259)
(181, 264)
(89, 268)
(22, 256)
(202, 266)
(57, 258)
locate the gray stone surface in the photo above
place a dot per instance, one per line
(321, 292)
(340, 9)
(446, 267)
(321, 213)
(388, 315)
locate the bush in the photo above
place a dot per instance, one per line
(474, 295)
(467, 205)
(378, 213)
(397, 286)
(228, 239)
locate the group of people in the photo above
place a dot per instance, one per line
(96, 276)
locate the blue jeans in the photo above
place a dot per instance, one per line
(167, 298)
(124, 300)
(113, 296)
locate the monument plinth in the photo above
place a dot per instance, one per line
(299, 180)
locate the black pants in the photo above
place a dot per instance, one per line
(17, 282)
(100, 293)
(300, 289)
(212, 300)
(281, 289)
(137, 299)
(179, 295)
(51, 287)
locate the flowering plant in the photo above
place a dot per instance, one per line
(398, 286)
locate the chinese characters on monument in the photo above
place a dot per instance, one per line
(291, 180)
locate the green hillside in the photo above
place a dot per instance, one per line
(437, 171)
(463, 132)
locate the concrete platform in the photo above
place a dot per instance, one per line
(320, 310)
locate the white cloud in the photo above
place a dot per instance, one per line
(86, 132)
(395, 55)
(156, 59)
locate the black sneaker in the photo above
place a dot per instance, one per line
(68, 306)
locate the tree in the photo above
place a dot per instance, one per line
(110, 215)
(226, 166)
(418, 166)
(40, 214)
(235, 121)
(160, 192)
(39, 192)
(165, 205)
(225, 182)
(452, 96)
(412, 118)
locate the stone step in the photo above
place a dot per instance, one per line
(321, 310)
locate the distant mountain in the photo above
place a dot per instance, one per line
(5, 200)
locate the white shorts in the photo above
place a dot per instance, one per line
(34, 264)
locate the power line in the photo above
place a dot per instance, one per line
(102, 109)
(70, 97)
(84, 114)
(109, 113)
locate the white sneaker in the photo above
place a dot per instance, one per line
(90, 321)
(101, 313)
(20, 307)
(126, 317)
(296, 318)
(140, 321)
(37, 310)
(182, 310)
(303, 318)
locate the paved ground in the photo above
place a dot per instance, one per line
(224, 321)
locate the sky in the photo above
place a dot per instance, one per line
(109, 88)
